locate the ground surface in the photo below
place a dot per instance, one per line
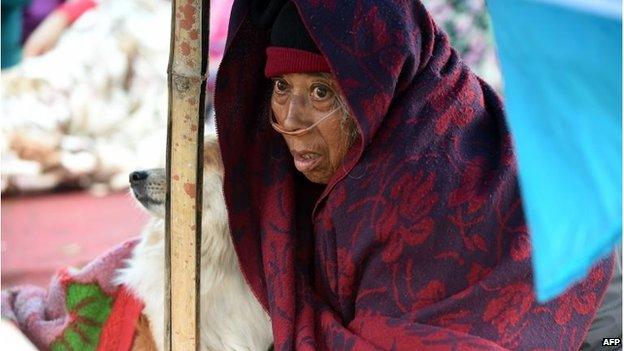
(43, 233)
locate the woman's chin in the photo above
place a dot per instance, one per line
(316, 177)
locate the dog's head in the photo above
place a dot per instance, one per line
(149, 186)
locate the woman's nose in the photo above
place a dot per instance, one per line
(295, 116)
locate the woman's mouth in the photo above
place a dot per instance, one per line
(306, 161)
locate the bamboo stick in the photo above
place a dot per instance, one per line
(187, 83)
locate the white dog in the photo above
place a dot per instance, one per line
(231, 316)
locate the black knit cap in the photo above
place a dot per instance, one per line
(282, 18)
(292, 49)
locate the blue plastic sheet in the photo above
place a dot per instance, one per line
(562, 71)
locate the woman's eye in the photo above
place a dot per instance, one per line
(321, 92)
(279, 86)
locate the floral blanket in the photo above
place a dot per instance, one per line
(81, 309)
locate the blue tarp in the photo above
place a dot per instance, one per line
(562, 70)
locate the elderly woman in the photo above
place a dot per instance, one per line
(371, 186)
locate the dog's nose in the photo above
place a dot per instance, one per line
(138, 176)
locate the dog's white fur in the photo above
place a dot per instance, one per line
(231, 317)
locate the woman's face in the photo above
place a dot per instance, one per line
(300, 100)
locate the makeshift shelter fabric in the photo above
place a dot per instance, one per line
(562, 68)
(418, 242)
(35, 13)
(11, 24)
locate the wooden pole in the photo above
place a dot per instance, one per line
(188, 63)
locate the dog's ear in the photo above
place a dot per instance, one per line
(212, 154)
